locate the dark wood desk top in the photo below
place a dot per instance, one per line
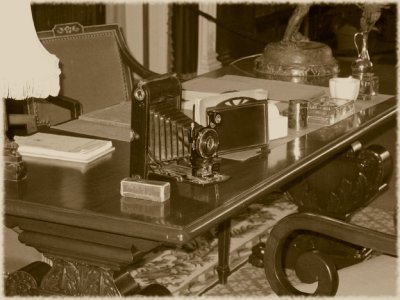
(91, 199)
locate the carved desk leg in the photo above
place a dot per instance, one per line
(224, 239)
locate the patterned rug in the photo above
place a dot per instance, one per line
(191, 270)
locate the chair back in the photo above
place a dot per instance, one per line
(94, 69)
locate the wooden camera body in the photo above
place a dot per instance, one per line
(165, 143)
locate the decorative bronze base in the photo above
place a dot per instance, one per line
(14, 166)
(301, 61)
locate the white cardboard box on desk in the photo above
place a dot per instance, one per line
(153, 190)
(200, 101)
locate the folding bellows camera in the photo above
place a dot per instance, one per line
(166, 143)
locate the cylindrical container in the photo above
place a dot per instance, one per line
(297, 114)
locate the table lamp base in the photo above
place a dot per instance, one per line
(14, 166)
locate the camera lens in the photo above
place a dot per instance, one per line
(210, 144)
(207, 142)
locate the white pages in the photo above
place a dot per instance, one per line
(63, 147)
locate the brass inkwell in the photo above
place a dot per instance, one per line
(362, 67)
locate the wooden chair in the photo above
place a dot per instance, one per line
(97, 70)
(372, 277)
(321, 236)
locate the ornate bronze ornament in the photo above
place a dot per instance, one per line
(296, 58)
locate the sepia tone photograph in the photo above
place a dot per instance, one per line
(199, 148)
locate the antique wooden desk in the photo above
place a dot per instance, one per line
(74, 217)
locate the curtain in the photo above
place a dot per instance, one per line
(45, 16)
(184, 39)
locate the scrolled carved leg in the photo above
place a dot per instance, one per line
(320, 265)
(76, 278)
(315, 266)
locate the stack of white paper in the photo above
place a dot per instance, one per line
(63, 147)
(277, 90)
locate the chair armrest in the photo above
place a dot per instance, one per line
(74, 106)
(136, 66)
(133, 64)
(318, 262)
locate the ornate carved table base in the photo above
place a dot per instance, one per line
(75, 278)
(84, 262)
(65, 277)
(344, 184)
(25, 281)
(78, 279)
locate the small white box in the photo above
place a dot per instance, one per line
(153, 190)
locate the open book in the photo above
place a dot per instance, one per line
(63, 147)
